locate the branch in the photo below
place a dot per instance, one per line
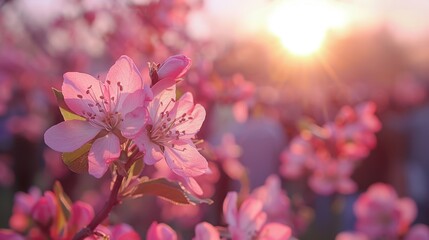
(104, 212)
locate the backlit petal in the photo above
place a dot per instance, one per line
(103, 151)
(185, 160)
(81, 90)
(70, 135)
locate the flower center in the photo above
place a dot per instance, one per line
(168, 129)
(102, 110)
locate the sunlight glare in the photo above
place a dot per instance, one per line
(302, 26)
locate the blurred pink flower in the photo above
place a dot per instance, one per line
(160, 231)
(275, 201)
(206, 231)
(45, 209)
(381, 214)
(245, 222)
(111, 108)
(275, 231)
(295, 157)
(331, 176)
(81, 215)
(418, 232)
(22, 209)
(123, 232)
(351, 236)
(227, 153)
(170, 131)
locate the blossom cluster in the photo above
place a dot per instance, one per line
(331, 152)
(125, 111)
(381, 214)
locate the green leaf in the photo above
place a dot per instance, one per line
(77, 161)
(171, 191)
(64, 109)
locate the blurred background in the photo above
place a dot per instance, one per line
(259, 67)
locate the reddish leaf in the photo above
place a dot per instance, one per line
(172, 191)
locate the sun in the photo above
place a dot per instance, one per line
(302, 26)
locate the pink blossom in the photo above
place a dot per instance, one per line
(160, 231)
(170, 131)
(295, 157)
(245, 222)
(418, 232)
(333, 176)
(45, 209)
(22, 208)
(228, 153)
(206, 231)
(275, 201)
(110, 109)
(80, 216)
(380, 213)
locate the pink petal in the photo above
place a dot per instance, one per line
(160, 231)
(185, 160)
(80, 216)
(152, 151)
(249, 214)
(197, 114)
(165, 84)
(132, 101)
(174, 67)
(74, 89)
(206, 231)
(230, 209)
(70, 135)
(193, 185)
(124, 232)
(103, 151)
(275, 231)
(133, 122)
(163, 99)
(124, 73)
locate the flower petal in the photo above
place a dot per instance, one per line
(103, 151)
(70, 135)
(193, 116)
(275, 231)
(185, 160)
(132, 101)
(81, 90)
(124, 78)
(206, 231)
(249, 214)
(152, 151)
(230, 209)
(193, 185)
(133, 122)
(164, 98)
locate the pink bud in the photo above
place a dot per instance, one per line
(124, 232)
(44, 210)
(160, 231)
(174, 67)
